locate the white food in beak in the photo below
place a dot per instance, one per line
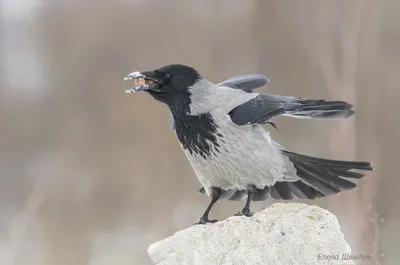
(133, 75)
(141, 84)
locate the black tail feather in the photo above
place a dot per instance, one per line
(346, 174)
(283, 190)
(324, 176)
(321, 177)
(302, 190)
(337, 164)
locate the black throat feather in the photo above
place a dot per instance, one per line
(196, 133)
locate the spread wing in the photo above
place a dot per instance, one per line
(244, 82)
(263, 107)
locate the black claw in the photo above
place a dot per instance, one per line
(246, 213)
(204, 220)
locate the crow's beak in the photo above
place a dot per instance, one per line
(142, 82)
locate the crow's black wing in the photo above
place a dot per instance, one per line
(263, 107)
(246, 82)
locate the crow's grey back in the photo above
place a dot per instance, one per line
(243, 82)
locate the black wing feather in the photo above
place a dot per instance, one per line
(260, 109)
(246, 82)
(263, 107)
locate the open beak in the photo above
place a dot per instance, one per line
(142, 82)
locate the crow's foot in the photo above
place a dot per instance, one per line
(204, 220)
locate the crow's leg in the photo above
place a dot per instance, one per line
(251, 190)
(215, 194)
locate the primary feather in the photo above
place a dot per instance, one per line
(263, 107)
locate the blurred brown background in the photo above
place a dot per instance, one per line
(90, 175)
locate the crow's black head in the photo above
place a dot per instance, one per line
(168, 83)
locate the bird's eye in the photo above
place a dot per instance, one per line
(167, 75)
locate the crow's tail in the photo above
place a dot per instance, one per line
(322, 177)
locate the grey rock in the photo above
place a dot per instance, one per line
(284, 233)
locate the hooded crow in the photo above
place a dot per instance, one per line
(219, 127)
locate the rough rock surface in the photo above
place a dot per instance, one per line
(284, 233)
